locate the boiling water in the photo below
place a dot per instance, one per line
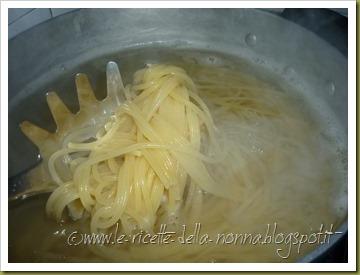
(289, 168)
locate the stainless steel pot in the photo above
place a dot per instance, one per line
(84, 40)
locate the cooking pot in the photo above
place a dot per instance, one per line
(48, 55)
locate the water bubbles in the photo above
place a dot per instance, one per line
(23, 197)
(289, 70)
(149, 63)
(257, 149)
(211, 59)
(330, 87)
(60, 232)
(289, 73)
(250, 39)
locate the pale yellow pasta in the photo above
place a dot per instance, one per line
(143, 157)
